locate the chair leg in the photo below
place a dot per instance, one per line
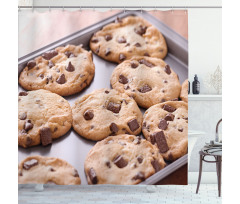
(200, 173)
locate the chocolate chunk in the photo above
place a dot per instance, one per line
(69, 54)
(163, 124)
(88, 115)
(114, 128)
(51, 64)
(122, 57)
(107, 92)
(147, 63)
(134, 65)
(97, 50)
(52, 169)
(140, 176)
(93, 176)
(118, 20)
(31, 64)
(140, 30)
(75, 173)
(120, 162)
(46, 136)
(114, 107)
(70, 67)
(140, 159)
(23, 116)
(146, 54)
(61, 79)
(161, 141)
(185, 118)
(168, 108)
(133, 125)
(108, 164)
(107, 52)
(94, 40)
(156, 165)
(41, 76)
(180, 129)
(169, 117)
(145, 89)
(122, 40)
(123, 79)
(30, 163)
(49, 55)
(28, 125)
(137, 140)
(167, 69)
(137, 45)
(23, 93)
(108, 37)
(152, 139)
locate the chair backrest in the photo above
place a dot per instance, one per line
(216, 135)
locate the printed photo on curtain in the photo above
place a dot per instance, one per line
(103, 97)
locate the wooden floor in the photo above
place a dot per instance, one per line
(119, 194)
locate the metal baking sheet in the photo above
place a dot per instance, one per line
(74, 148)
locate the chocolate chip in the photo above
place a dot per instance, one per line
(123, 79)
(127, 44)
(140, 176)
(23, 116)
(152, 139)
(167, 69)
(156, 165)
(169, 117)
(180, 129)
(122, 40)
(114, 128)
(122, 57)
(163, 100)
(146, 54)
(52, 169)
(108, 164)
(126, 87)
(165, 81)
(88, 115)
(140, 159)
(107, 92)
(107, 52)
(97, 50)
(147, 63)
(28, 125)
(31, 64)
(23, 93)
(125, 101)
(75, 173)
(134, 65)
(30, 163)
(185, 118)
(120, 162)
(93, 176)
(46, 136)
(137, 140)
(49, 55)
(133, 125)
(69, 54)
(70, 67)
(140, 30)
(163, 124)
(161, 141)
(145, 89)
(108, 37)
(137, 45)
(114, 107)
(51, 64)
(94, 40)
(168, 108)
(61, 79)
(118, 20)
(41, 76)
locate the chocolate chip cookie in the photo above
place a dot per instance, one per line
(148, 80)
(106, 112)
(42, 117)
(128, 37)
(123, 159)
(166, 126)
(65, 71)
(38, 169)
(184, 91)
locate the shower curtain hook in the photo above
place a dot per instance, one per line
(80, 9)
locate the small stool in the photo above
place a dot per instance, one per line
(218, 160)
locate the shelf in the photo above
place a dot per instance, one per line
(202, 97)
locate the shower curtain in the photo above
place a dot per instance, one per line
(103, 97)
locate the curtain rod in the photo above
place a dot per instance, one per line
(118, 7)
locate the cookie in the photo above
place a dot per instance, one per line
(184, 91)
(65, 71)
(148, 80)
(42, 117)
(106, 112)
(166, 126)
(128, 37)
(38, 169)
(123, 159)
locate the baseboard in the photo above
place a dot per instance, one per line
(207, 177)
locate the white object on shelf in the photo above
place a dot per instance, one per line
(202, 97)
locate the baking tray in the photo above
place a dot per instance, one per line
(74, 148)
